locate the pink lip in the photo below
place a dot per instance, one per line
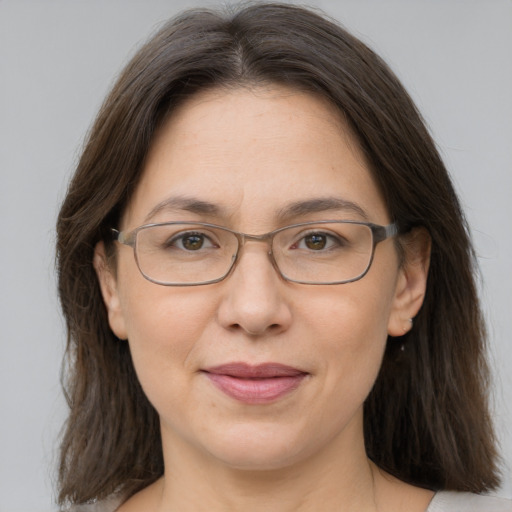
(258, 384)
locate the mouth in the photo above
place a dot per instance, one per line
(260, 384)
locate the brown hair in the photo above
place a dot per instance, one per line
(427, 418)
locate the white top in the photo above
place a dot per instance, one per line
(450, 501)
(443, 501)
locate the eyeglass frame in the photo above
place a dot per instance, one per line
(379, 234)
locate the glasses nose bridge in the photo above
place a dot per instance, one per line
(267, 238)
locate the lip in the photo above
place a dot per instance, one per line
(255, 384)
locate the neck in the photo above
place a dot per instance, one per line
(336, 478)
(338, 474)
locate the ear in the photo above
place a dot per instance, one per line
(109, 291)
(412, 281)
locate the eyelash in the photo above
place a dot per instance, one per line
(180, 237)
(334, 240)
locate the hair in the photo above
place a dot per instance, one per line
(426, 419)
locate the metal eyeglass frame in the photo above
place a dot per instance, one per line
(379, 234)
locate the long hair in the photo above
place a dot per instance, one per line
(426, 419)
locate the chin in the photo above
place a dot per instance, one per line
(259, 448)
(257, 460)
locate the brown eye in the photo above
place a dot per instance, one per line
(315, 241)
(192, 242)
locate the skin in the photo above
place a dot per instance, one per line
(253, 152)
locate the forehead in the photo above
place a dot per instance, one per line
(250, 152)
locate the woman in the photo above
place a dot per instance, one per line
(268, 285)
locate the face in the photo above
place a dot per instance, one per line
(315, 349)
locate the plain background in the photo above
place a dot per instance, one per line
(57, 61)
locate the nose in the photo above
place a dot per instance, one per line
(254, 301)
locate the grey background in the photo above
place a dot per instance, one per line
(57, 61)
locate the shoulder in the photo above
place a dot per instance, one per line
(449, 501)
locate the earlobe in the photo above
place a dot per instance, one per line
(109, 291)
(412, 281)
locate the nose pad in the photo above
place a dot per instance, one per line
(254, 300)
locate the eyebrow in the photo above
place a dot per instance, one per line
(296, 209)
(318, 205)
(188, 204)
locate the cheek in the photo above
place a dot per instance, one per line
(354, 343)
(355, 314)
(164, 326)
(351, 334)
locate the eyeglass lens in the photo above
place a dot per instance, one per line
(184, 254)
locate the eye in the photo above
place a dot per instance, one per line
(315, 241)
(191, 242)
(318, 241)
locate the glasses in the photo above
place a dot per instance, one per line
(196, 253)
